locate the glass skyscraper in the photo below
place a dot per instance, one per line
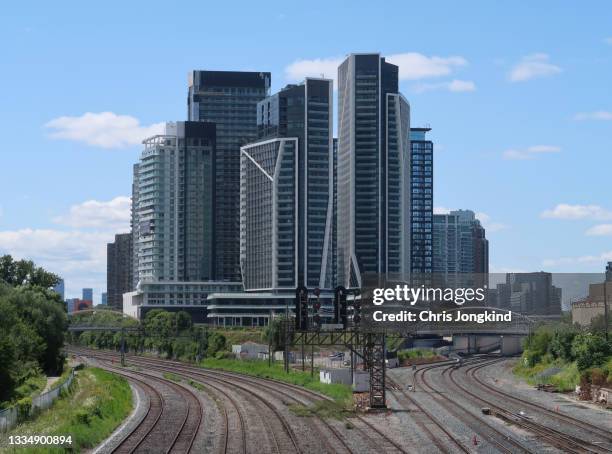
(286, 209)
(373, 171)
(228, 99)
(460, 250)
(173, 205)
(421, 206)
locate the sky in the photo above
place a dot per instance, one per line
(517, 94)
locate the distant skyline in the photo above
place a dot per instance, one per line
(516, 94)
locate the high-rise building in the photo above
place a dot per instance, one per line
(87, 294)
(228, 99)
(174, 204)
(60, 289)
(421, 205)
(119, 269)
(286, 191)
(460, 250)
(373, 171)
(104, 299)
(533, 294)
(134, 225)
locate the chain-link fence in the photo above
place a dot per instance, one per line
(11, 416)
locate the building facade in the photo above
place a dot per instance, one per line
(228, 99)
(460, 250)
(104, 299)
(119, 279)
(286, 191)
(373, 171)
(421, 206)
(87, 294)
(174, 215)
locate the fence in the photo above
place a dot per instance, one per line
(13, 415)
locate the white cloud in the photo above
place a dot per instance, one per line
(597, 115)
(300, 69)
(581, 260)
(600, 230)
(529, 152)
(533, 66)
(111, 215)
(574, 212)
(78, 257)
(412, 66)
(456, 86)
(489, 224)
(104, 129)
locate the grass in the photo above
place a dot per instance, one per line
(95, 405)
(173, 377)
(239, 335)
(415, 353)
(565, 380)
(342, 394)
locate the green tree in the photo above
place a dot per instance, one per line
(275, 334)
(590, 350)
(561, 343)
(25, 272)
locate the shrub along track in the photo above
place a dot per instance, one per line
(275, 395)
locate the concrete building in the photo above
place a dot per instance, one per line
(584, 311)
(421, 206)
(250, 350)
(286, 199)
(373, 171)
(174, 212)
(191, 297)
(59, 288)
(529, 294)
(119, 268)
(229, 100)
(460, 250)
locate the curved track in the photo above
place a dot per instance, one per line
(172, 419)
(263, 395)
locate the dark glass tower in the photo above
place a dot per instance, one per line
(421, 206)
(119, 269)
(229, 99)
(287, 191)
(373, 171)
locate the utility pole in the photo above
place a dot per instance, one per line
(286, 352)
(122, 346)
(605, 296)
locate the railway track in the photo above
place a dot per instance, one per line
(164, 428)
(250, 387)
(554, 437)
(499, 440)
(582, 425)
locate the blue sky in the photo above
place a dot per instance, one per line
(517, 93)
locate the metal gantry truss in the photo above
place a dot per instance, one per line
(370, 346)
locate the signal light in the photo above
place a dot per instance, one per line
(301, 309)
(356, 312)
(340, 312)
